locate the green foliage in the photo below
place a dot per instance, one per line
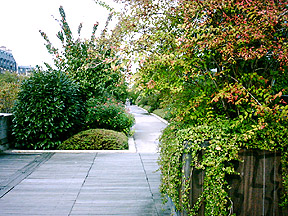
(163, 113)
(152, 101)
(9, 77)
(109, 115)
(8, 95)
(225, 139)
(218, 65)
(48, 110)
(133, 94)
(170, 166)
(96, 139)
(9, 88)
(92, 63)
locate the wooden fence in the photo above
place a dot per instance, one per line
(255, 192)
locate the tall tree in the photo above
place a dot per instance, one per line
(92, 63)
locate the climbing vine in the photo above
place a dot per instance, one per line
(225, 139)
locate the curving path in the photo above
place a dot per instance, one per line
(93, 183)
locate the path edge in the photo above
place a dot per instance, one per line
(131, 144)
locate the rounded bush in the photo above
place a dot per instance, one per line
(110, 115)
(48, 111)
(96, 139)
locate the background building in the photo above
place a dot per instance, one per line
(25, 70)
(7, 61)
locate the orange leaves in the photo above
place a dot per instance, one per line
(277, 95)
(245, 31)
(151, 84)
(231, 94)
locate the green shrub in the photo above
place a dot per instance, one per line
(141, 101)
(110, 115)
(147, 108)
(8, 95)
(48, 111)
(9, 88)
(9, 77)
(96, 139)
(150, 102)
(133, 95)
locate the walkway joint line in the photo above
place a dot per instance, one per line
(147, 179)
(23, 173)
(83, 183)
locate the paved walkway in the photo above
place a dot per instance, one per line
(86, 183)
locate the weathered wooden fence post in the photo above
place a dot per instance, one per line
(256, 191)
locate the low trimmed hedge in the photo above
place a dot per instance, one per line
(96, 139)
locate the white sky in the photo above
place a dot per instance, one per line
(21, 21)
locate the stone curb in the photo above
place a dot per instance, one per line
(131, 143)
(161, 119)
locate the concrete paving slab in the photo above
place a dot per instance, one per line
(11, 163)
(147, 130)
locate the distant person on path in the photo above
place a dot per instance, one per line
(127, 102)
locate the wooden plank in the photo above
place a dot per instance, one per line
(256, 191)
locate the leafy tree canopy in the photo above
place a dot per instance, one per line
(92, 63)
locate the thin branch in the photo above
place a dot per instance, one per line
(282, 14)
(260, 69)
(247, 91)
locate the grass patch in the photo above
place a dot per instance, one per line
(162, 113)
